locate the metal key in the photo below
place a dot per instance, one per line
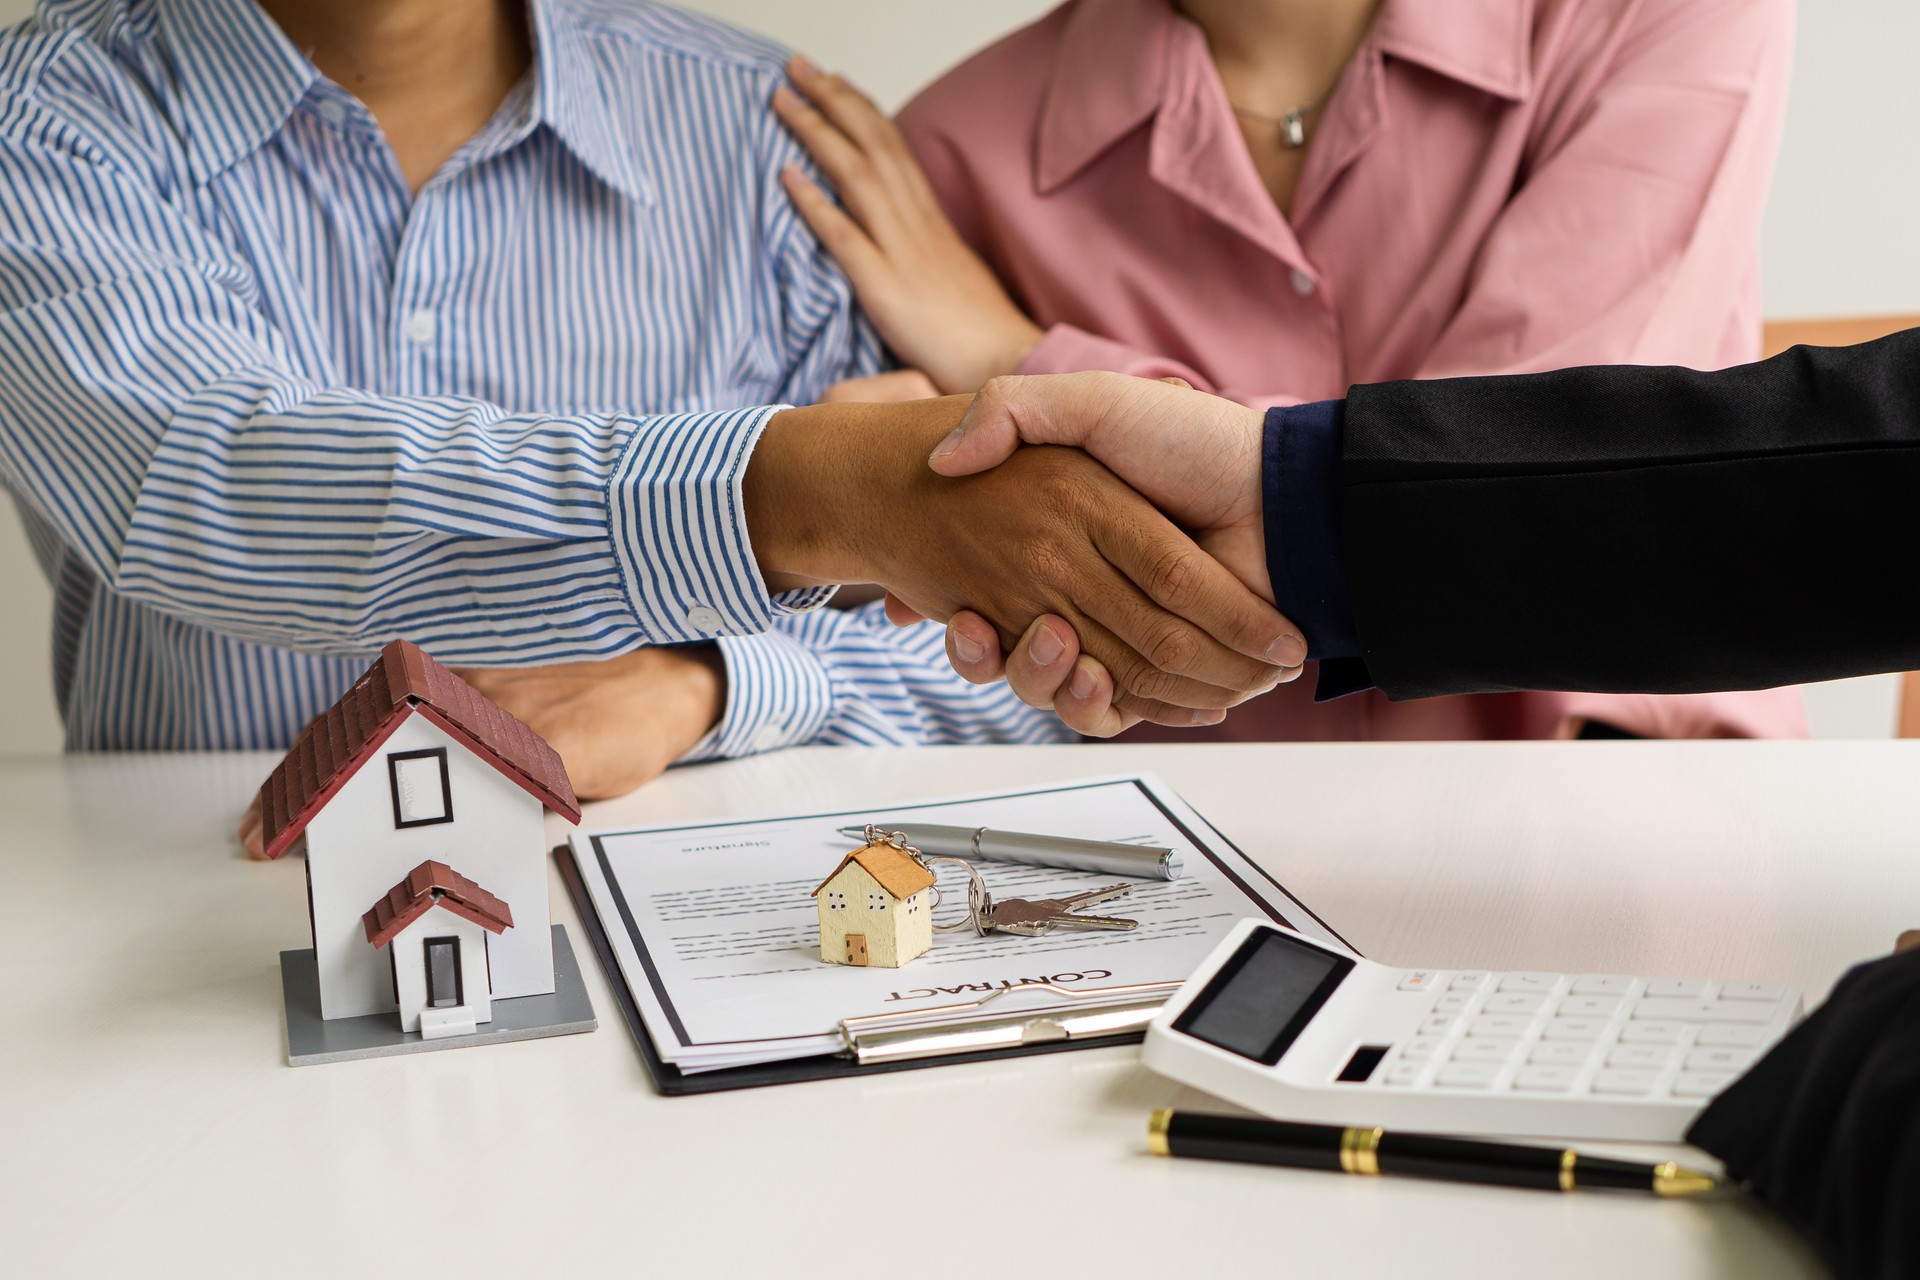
(1031, 919)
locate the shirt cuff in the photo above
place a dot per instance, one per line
(679, 529)
(778, 695)
(1300, 485)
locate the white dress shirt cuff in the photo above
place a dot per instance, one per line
(778, 695)
(679, 529)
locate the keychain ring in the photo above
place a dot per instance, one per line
(977, 900)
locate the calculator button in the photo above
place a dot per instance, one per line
(1719, 1059)
(1499, 1025)
(1602, 984)
(1650, 1056)
(1403, 1075)
(1438, 1025)
(1420, 1047)
(1686, 988)
(1516, 1002)
(1560, 1053)
(1752, 990)
(1467, 1075)
(1723, 1037)
(1700, 1084)
(1417, 980)
(1542, 982)
(1623, 1080)
(1705, 1010)
(1454, 1002)
(1546, 1079)
(1589, 1006)
(1469, 981)
(1574, 1028)
(1484, 1050)
(1654, 1032)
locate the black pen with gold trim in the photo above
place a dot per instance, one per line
(1372, 1152)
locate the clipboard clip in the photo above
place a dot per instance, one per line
(974, 1027)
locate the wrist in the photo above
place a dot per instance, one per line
(824, 486)
(1003, 352)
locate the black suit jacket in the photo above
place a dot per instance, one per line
(1639, 529)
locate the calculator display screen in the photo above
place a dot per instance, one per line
(1263, 996)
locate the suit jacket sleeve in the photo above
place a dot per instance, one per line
(1633, 529)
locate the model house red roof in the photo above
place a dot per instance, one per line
(404, 681)
(429, 885)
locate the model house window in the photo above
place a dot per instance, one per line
(876, 902)
(443, 974)
(836, 900)
(422, 794)
(913, 904)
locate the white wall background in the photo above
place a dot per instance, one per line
(1840, 236)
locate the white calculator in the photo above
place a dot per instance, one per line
(1298, 1031)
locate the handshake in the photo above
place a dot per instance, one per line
(1118, 579)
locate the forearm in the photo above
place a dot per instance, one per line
(1636, 529)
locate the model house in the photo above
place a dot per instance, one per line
(414, 767)
(876, 908)
(434, 927)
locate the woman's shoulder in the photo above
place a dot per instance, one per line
(999, 90)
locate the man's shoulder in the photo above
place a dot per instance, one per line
(689, 37)
(74, 66)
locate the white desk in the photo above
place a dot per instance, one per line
(148, 1123)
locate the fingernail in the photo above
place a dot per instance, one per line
(785, 97)
(968, 649)
(1082, 685)
(949, 443)
(1289, 650)
(803, 67)
(1046, 647)
(1288, 675)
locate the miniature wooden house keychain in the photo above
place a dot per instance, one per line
(877, 906)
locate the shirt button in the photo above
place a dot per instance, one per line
(422, 327)
(704, 620)
(333, 112)
(1302, 283)
(770, 737)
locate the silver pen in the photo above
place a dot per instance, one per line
(1040, 851)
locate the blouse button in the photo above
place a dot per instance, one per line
(1302, 283)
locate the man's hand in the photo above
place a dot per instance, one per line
(1195, 456)
(843, 493)
(617, 724)
(932, 298)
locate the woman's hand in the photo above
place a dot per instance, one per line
(935, 302)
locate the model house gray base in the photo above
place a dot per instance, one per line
(312, 1039)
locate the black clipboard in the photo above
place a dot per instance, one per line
(672, 1081)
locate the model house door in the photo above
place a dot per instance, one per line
(443, 974)
(856, 948)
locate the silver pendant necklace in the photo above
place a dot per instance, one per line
(1292, 125)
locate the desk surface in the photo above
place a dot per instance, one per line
(151, 1125)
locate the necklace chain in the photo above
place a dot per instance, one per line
(1293, 124)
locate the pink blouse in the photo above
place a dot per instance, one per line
(1494, 186)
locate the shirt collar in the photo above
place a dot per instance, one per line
(1483, 43)
(571, 98)
(239, 79)
(1111, 71)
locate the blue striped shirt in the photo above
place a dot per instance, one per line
(263, 409)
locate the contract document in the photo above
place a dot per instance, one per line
(715, 930)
